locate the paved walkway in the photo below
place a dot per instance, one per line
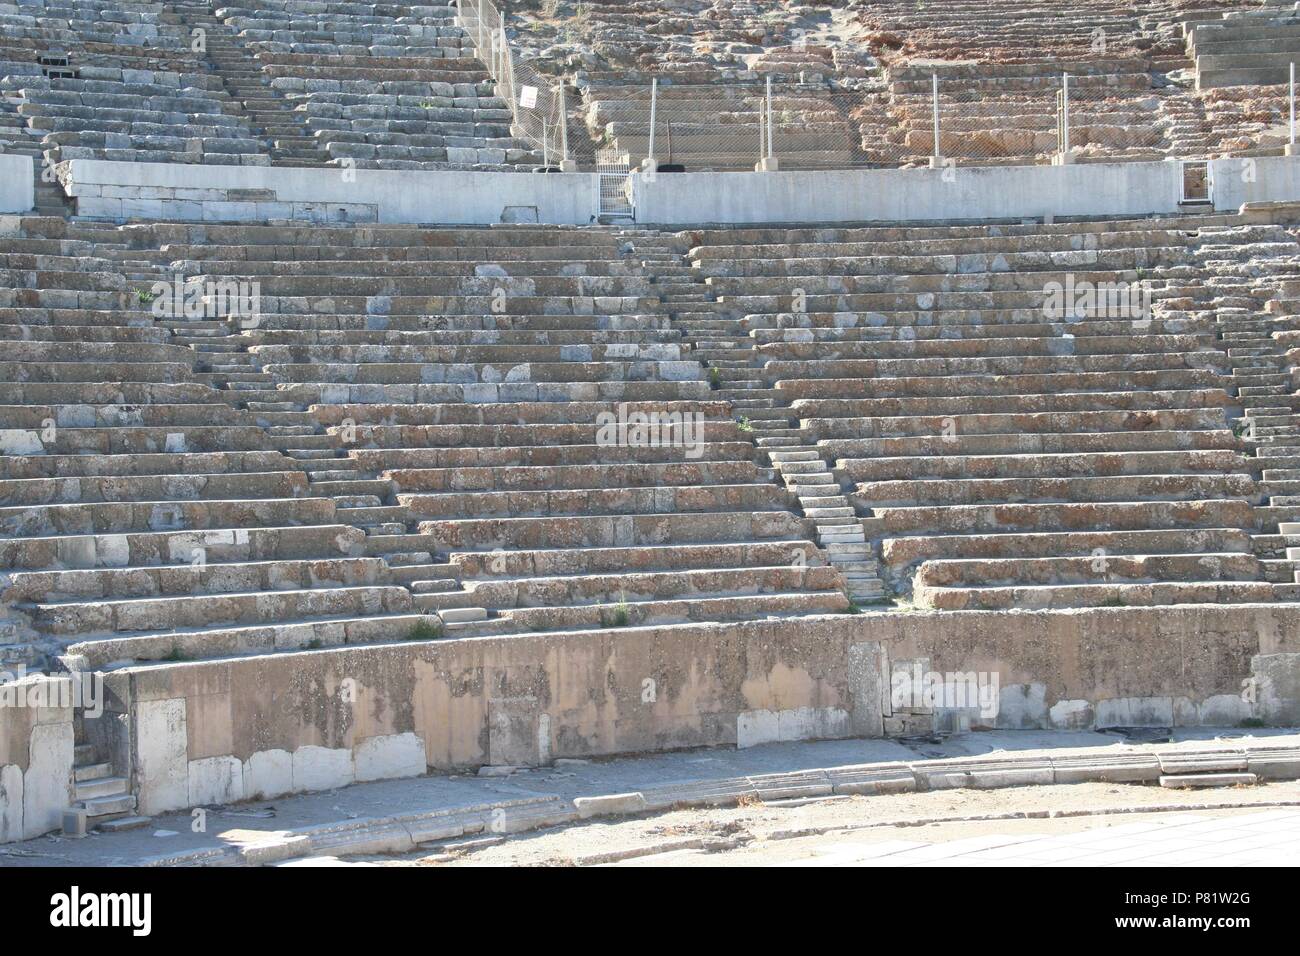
(542, 790)
(1263, 838)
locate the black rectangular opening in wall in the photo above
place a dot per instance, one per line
(56, 66)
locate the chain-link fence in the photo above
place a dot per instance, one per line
(912, 115)
(538, 102)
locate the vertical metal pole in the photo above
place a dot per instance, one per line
(654, 105)
(479, 36)
(768, 116)
(1065, 108)
(509, 63)
(546, 147)
(935, 98)
(1292, 104)
(564, 125)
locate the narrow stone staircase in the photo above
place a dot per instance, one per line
(1270, 428)
(271, 117)
(720, 342)
(104, 796)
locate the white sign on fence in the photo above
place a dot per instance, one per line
(527, 97)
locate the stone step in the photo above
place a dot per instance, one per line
(84, 790)
(123, 823)
(91, 771)
(106, 805)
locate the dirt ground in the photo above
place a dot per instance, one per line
(763, 834)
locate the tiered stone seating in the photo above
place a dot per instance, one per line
(138, 505)
(1242, 66)
(390, 87)
(711, 58)
(1251, 47)
(90, 79)
(999, 456)
(1000, 64)
(707, 127)
(1001, 31)
(407, 430)
(998, 113)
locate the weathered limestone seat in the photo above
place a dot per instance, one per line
(1006, 452)
(380, 86)
(116, 81)
(716, 127)
(1000, 112)
(408, 429)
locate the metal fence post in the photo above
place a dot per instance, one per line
(1065, 111)
(508, 70)
(564, 125)
(935, 98)
(1292, 99)
(654, 105)
(769, 116)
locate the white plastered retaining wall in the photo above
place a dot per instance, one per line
(17, 183)
(190, 193)
(956, 193)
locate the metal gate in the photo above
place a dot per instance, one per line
(613, 185)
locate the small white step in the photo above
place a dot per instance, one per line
(92, 771)
(848, 549)
(124, 823)
(869, 564)
(800, 468)
(103, 806)
(462, 615)
(813, 491)
(819, 477)
(99, 787)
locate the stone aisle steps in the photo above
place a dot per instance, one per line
(270, 115)
(719, 340)
(839, 531)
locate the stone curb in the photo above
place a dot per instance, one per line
(400, 834)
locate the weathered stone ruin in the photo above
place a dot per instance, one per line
(313, 502)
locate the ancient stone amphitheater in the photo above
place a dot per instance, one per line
(312, 472)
